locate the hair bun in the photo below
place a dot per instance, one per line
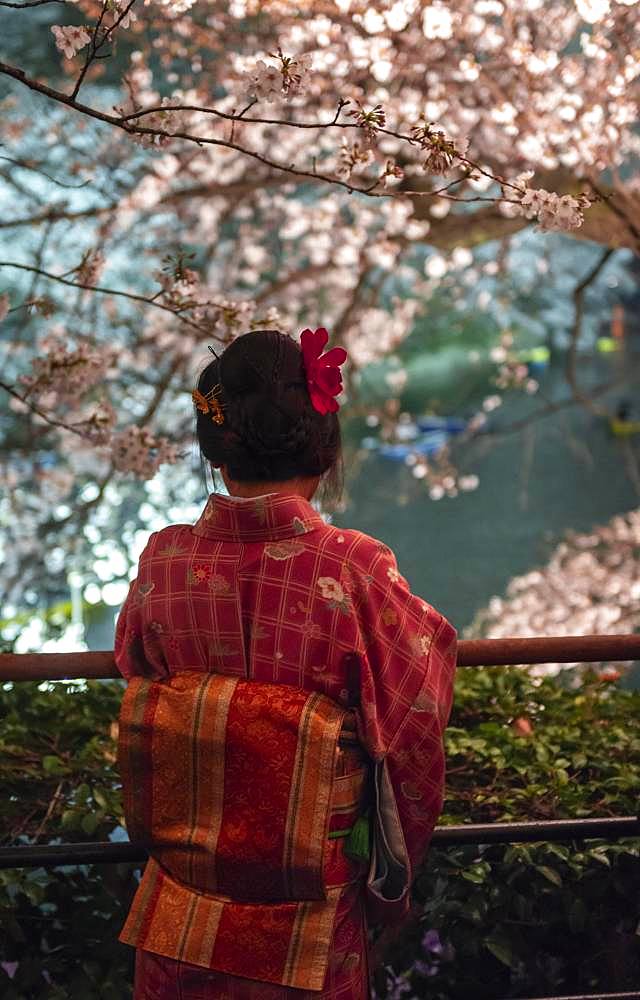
(271, 431)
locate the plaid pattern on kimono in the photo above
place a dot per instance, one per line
(264, 589)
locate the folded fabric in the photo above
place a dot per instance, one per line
(389, 879)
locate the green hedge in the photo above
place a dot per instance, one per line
(529, 920)
(502, 921)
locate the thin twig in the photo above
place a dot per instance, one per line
(41, 413)
(55, 799)
(572, 356)
(111, 291)
(28, 3)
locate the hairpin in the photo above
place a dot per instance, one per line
(210, 348)
(209, 403)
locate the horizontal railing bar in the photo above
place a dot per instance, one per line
(548, 649)
(609, 828)
(471, 653)
(635, 995)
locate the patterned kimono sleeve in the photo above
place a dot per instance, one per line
(406, 687)
(135, 657)
(416, 755)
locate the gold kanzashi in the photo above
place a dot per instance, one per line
(209, 403)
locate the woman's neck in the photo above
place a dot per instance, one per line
(303, 486)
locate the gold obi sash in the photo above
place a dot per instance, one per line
(239, 788)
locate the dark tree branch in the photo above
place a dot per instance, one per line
(28, 3)
(572, 357)
(69, 100)
(144, 299)
(56, 214)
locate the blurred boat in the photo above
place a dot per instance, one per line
(624, 428)
(536, 359)
(427, 444)
(450, 425)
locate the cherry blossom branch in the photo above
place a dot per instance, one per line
(470, 165)
(28, 3)
(555, 407)
(464, 161)
(119, 122)
(145, 299)
(27, 165)
(239, 117)
(56, 215)
(80, 511)
(161, 389)
(95, 45)
(341, 325)
(74, 428)
(289, 279)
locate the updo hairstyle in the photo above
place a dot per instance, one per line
(271, 431)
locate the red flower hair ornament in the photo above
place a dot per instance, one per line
(324, 378)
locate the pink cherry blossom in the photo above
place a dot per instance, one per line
(70, 39)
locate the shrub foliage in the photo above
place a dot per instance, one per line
(495, 921)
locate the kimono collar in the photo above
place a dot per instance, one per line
(257, 519)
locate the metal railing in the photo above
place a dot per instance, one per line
(471, 653)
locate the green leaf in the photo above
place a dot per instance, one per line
(476, 877)
(83, 792)
(69, 818)
(502, 950)
(550, 874)
(89, 823)
(53, 765)
(100, 797)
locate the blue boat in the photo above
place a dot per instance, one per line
(427, 444)
(450, 425)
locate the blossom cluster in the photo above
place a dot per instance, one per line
(135, 449)
(63, 373)
(513, 372)
(553, 212)
(164, 122)
(97, 426)
(369, 120)
(590, 586)
(441, 150)
(353, 156)
(70, 39)
(120, 12)
(269, 83)
(90, 267)
(440, 477)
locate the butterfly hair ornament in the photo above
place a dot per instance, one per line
(209, 403)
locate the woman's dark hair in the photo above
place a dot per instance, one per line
(271, 432)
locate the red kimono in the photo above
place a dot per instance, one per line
(263, 589)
